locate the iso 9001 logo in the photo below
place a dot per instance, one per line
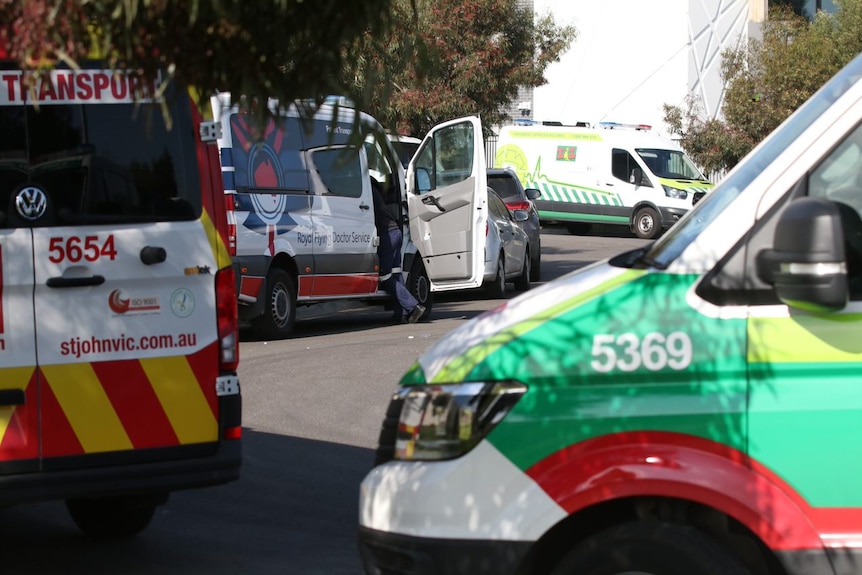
(182, 302)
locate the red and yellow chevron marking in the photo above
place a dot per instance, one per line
(131, 404)
(19, 425)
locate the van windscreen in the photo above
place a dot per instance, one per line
(100, 162)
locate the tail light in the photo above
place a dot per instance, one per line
(228, 323)
(231, 224)
(519, 205)
(486, 229)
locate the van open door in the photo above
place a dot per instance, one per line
(447, 198)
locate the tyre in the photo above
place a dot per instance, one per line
(113, 517)
(522, 282)
(649, 548)
(536, 266)
(646, 224)
(279, 310)
(497, 288)
(578, 228)
(420, 286)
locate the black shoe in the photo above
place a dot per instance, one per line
(398, 320)
(416, 314)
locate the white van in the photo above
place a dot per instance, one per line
(301, 217)
(616, 174)
(118, 329)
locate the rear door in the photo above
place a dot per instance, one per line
(124, 274)
(447, 202)
(19, 381)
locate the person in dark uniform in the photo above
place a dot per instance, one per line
(407, 308)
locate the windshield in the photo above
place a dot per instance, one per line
(671, 245)
(97, 156)
(671, 164)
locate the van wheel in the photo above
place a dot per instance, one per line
(649, 548)
(420, 286)
(497, 288)
(279, 310)
(646, 224)
(113, 517)
(522, 282)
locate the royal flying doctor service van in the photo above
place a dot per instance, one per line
(613, 174)
(301, 215)
(690, 407)
(118, 328)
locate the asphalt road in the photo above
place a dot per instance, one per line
(312, 410)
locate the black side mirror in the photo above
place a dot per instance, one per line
(533, 194)
(807, 264)
(637, 176)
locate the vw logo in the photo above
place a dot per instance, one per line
(31, 203)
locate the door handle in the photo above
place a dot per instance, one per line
(364, 206)
(12, 397)
(61, 282)
(432, 201)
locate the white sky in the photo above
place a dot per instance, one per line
(630, 57)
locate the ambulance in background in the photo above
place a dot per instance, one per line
(301, 217)
(118, 326)
(617, 174)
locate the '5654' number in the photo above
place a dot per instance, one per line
(75, 249)
(628, 352)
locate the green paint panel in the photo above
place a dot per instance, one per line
(569, 400)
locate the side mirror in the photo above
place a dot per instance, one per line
(806, 264)
(423, 180)
(637, 176)
(533, 194)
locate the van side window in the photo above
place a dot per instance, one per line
(339, 170)
(622, 164)
(838, 177)
(446, 159)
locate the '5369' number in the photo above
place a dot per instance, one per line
(75, 249)
(628, 352)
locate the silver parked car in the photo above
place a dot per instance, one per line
(505, 182)
(507, 248)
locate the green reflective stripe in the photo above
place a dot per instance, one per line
(553, 215)
(458, 368)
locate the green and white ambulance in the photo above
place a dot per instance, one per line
(616, 174)
(691, 407)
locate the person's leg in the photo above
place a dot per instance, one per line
(406, 304)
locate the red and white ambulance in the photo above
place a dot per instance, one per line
(118, 324)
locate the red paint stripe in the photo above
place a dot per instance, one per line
(58, 437)
(666, 464)
(204, 365)
(306, 286)
(349, 284)
(136, 404)
(250, 286)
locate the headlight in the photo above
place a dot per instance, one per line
(446, 421)
(675, 193)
